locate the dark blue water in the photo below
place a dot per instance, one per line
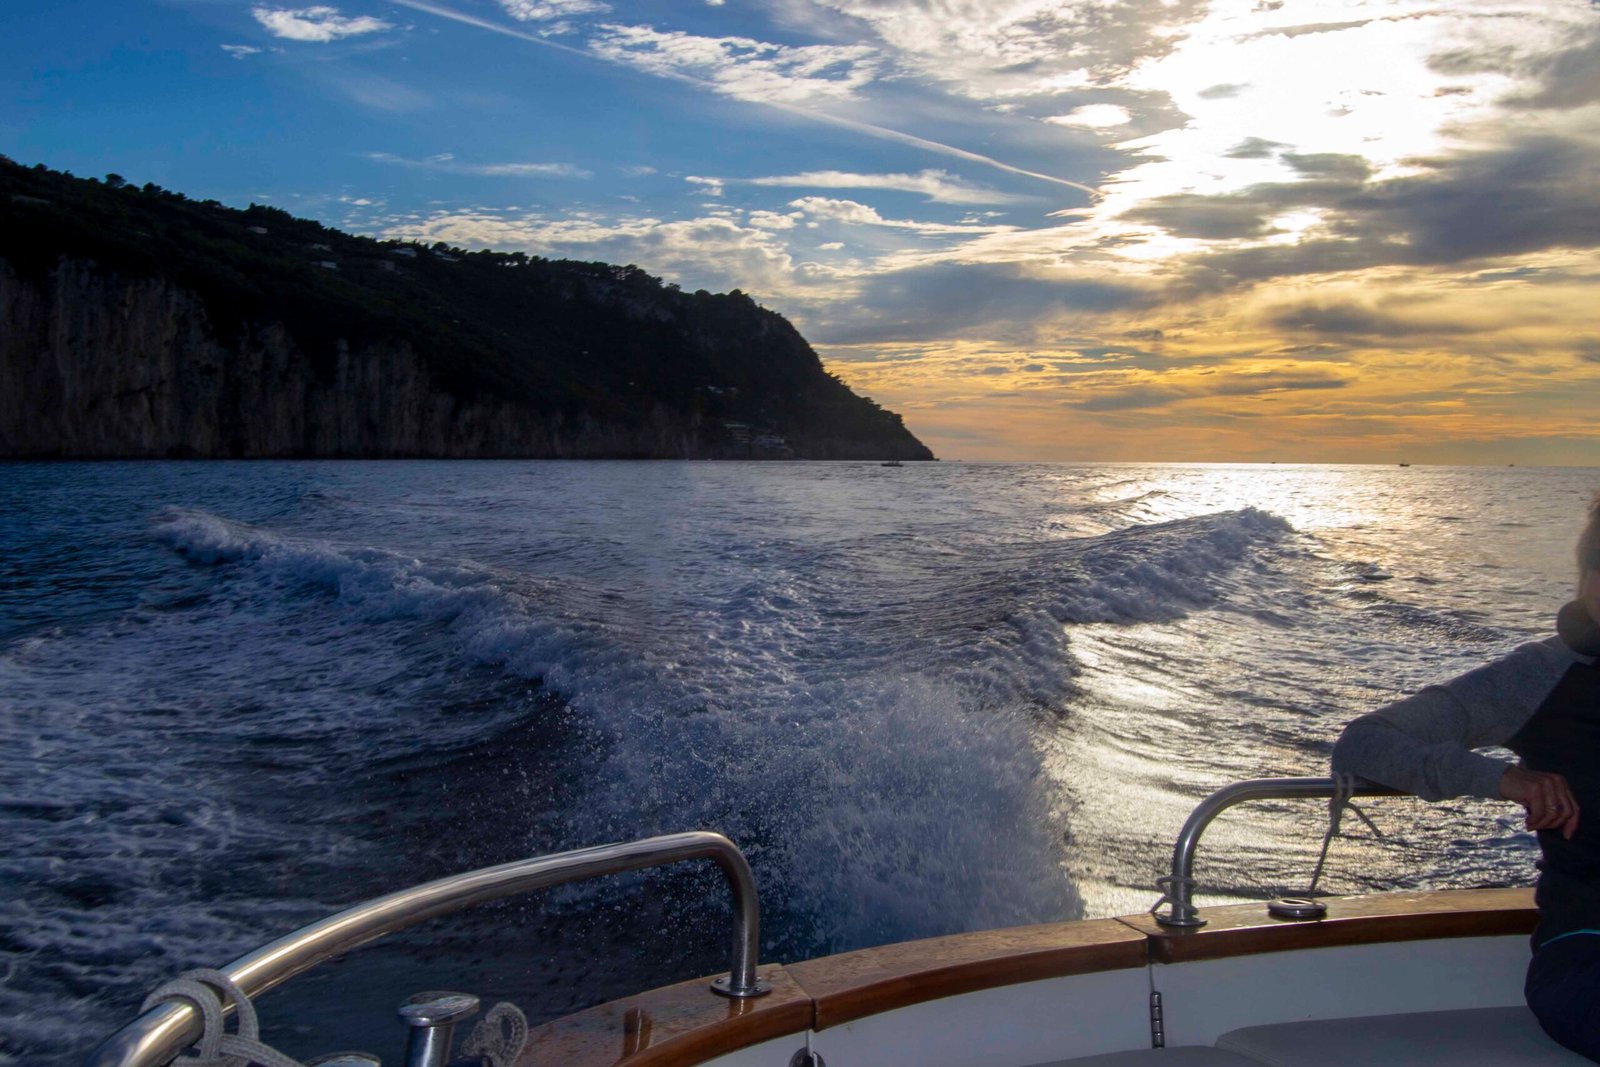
(235, 697)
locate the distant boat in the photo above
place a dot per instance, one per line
(891, 463)
(1405, 464)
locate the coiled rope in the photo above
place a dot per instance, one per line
(498, 1038)
(1167, 883)
(209, 991)
(496, 1041)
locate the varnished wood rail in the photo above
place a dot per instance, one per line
(684, 1025)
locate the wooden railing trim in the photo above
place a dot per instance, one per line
(674, 1026)
(685, 1025)
(1247, 929)
(868, 981)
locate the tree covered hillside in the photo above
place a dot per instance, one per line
(572, 342)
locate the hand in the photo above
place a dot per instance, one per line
(1550, 803)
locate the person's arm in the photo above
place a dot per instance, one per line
(1423, 744)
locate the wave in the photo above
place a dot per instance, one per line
(891, 732)
(725, 726)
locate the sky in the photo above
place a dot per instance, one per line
(1070, 230)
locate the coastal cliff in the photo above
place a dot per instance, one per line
(137, 323)
(97, 365)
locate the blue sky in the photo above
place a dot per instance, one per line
(1041, 229)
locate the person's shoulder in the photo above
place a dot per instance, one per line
(1551, 653)
(1530, 665)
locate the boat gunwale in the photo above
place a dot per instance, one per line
(664, 1028)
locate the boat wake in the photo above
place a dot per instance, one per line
(918, 715)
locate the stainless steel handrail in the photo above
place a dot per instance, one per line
(1179, 885)
(162, 1032)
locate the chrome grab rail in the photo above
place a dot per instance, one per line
(1179, 885)
(162, 1032)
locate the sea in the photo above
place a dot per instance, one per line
(236, 697)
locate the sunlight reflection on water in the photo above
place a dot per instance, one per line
(1403, 576)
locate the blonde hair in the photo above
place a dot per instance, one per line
(1589, 541)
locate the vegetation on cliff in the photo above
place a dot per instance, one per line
(573, 342)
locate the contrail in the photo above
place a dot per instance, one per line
(932, 146)
(493, 27)
(870, 129)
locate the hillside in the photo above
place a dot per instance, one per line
(137, 322)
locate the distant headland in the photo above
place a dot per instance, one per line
(137, 323)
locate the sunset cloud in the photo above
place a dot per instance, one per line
(1176, 389)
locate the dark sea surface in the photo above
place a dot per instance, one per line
(235, 697)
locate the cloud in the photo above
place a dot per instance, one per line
(320, 24)
(946, 300)
(1331, 165)
(938, 186)
(1254, 148)
(708, 186)
(1510, 274)
(741, 67)
(1093, 117)
(854, 213)
(1558, 73)
(448, 163)
(1309, 28)
(382, 94)
(999, 49)
(712, 253)
(1172, 390)
(546, 10)
(1205, 217)
(1346, 317)
(772, 220)
(1536, 192)
(528, 170)
(240, 51)
(1566, 79)
(790, 79)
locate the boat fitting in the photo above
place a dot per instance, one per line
(1178, 887)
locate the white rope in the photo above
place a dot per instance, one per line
(209, 991)
(498, 1038)
(1167, 883)
(1344, 790)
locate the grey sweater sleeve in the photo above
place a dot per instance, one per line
(1423, 744)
